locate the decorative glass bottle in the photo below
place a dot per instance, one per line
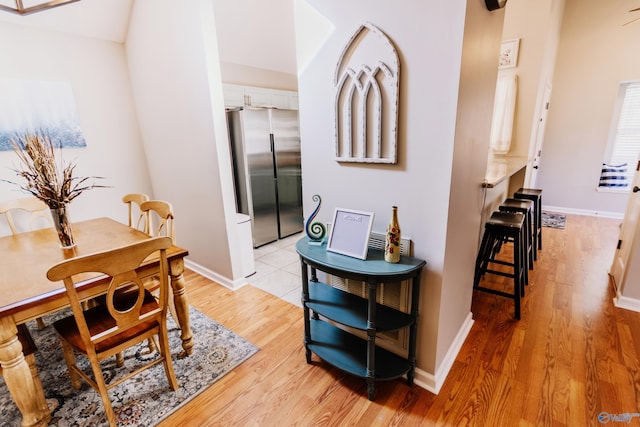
(392, 241)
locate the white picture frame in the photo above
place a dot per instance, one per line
(509, 54)
(350, 231)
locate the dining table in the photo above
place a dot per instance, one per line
(26, 294)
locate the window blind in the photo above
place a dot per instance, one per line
(626, 143)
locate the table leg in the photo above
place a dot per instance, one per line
(371, 339)
(305, 309)
(42, 402)
(18, 378)
(176, 270)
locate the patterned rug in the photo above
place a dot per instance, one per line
(553, 220)
(143, 400)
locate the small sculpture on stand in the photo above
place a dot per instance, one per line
(316, 231)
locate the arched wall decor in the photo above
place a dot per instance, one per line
(367, 81)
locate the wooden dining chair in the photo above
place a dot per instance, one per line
(133, 202)
(129, 316)
(38, 216)
(160, 218)
(36, 209)
(151, 212)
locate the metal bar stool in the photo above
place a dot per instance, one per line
(525, 207)
(501, 226)
(535, 195)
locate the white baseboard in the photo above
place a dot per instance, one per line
(212, 275)
(433, 382)
(626, 303)
(604, 214)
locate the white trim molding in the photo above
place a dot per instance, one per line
(626, 303)
(212, 275)
(603, 214)
(434, 382)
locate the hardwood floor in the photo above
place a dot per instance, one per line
(571, 357)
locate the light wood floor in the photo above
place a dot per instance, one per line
(572, 356)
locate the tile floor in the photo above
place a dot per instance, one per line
(278, 269)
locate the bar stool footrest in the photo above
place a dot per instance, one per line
(499, 273)
(495, 292)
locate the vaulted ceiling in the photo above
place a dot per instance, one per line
(258, 33)
(102, 19)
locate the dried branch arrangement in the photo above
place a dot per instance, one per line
(52, 183)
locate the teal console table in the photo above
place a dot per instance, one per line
(339, 347)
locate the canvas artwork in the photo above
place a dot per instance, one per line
(39, 106)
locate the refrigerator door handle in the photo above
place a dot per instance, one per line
(273, 154)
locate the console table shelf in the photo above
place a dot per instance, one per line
(351, 310)
(322, 302)
(348, 352)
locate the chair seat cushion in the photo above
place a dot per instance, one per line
(99, 320)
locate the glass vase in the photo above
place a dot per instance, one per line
(63, 227)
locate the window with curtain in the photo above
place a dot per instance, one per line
(624, 141)
(504, 106)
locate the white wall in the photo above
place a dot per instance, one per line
(257, 33)
(482, 37)
(173, 61)
(595, 54)
(257, 43)
(429, 38)
(537, 29)
(97, 72)
(245, 75)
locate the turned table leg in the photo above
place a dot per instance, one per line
(17, 375)
(176, 270)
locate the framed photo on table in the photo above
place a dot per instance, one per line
(509, 54)
(350, 231)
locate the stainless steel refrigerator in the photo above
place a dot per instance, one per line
(265, 147)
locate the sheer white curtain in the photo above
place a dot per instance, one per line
(503, 111)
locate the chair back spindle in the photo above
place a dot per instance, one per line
(133, 202)
(37, 210)
(160, 218)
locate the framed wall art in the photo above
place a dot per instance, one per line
(28, 106)
(350, 231)
(509, 54)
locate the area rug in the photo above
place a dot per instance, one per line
(144, 400)
(553, 220)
